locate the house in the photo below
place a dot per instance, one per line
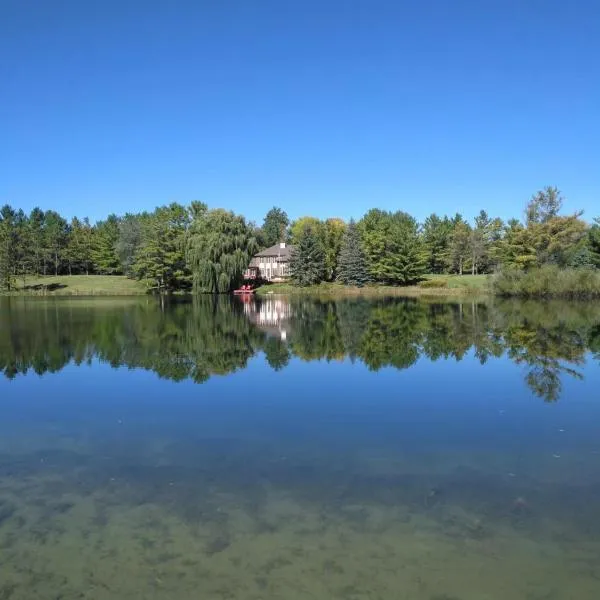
(272, 264)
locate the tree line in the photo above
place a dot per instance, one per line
(179, 247)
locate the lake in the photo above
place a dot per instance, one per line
(299, 449)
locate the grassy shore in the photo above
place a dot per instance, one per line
(115, 285)
(440, 285)
(79, 285)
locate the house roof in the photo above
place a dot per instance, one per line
(277, 250)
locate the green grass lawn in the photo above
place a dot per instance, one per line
(472, 282)
(81, 285)
(457, 285)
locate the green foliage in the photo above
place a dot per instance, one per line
(548, 282)
(8, 248)
(333, 232)
(460, 244)
(544, 205)
(594, 243)
(307, 264)
(79, 251)
(433, 283)
(159, 258)
(56, 232)
(299, 226)
(219, 247)
(274, 229)
(104, 250)
(165, 251)
(128, 241)
(437, 233)
(393, 248)
(352, 265)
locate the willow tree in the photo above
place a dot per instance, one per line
(219, 247)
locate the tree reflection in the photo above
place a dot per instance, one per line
(216, 335)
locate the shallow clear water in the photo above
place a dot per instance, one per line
(304, 449)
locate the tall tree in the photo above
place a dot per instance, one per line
(437, 233)
(8, 247)
(104, 252)
(129, 240)
(393, 247)
(25, 263)
(80, 246)
(460, 244)
(298, 227)
(333, 232)
(56, 231)
(37, 227)
(352, 265)
(307, 264)
(274, 227)
(160, 258)
(544, 205)
(219, 246)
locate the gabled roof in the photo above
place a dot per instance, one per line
(277, 250)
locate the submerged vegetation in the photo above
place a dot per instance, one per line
(214, 335)
(179, 248)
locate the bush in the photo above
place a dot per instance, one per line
(548, 282)
(433, 283)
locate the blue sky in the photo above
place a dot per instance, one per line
(323, 107)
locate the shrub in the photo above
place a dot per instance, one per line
(433, 283)
(548, 282)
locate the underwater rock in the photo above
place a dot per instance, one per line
(217, 544)
(7, 509)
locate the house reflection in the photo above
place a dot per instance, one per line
(271, 315)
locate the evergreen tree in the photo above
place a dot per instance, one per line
(56, 232)
(25, 263)
(460, 245)
(104, 251)
(274, 227)
(129, 240)
(437, 233)
(80, 246)
(307, 263)
(8, 248)
(352, 265)
(160, 257)
(37, 227)
(393, 247)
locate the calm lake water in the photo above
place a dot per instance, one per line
(216, 449)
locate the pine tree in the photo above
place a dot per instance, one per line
(8, 248)
(160, 257)
(104, 252)
(307, 264)
(393, 247)
(352, 265)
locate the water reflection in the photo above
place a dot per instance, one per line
(218, 335)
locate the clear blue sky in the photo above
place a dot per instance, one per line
(322, 107)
